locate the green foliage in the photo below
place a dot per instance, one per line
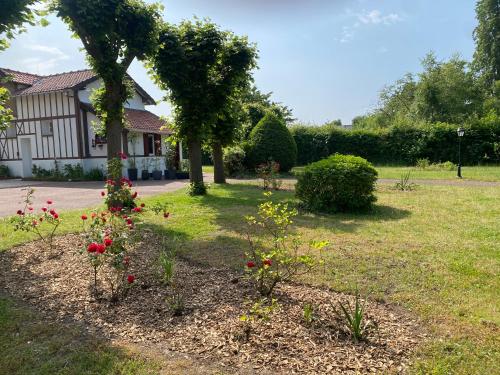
(176, 302)
(404, 183)
(234, 158)
(14, 16)
(271, 140)
(166, 263)
(261, 310)
(338, 183)
(274, 255)
(354, 319)
(308, 314)
(113, 33)
(487, 54)
(268, 172)
(5, 111)
(425, 164)
(4, 171)
(400, 144)
(197, 188)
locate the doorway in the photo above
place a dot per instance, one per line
(26, 157)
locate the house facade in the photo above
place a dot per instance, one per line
(53, 122)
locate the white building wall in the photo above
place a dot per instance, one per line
(135, 102)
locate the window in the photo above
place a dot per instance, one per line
(150, 144)
(47, 128)
(11, 131)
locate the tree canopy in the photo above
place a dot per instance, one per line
(14, 16)
(113, 33)
(199, 66)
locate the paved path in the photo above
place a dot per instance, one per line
(70, 195)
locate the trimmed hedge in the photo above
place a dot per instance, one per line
(338, 183)
(400, 145)
(271, 140)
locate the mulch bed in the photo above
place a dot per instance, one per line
(210, 330)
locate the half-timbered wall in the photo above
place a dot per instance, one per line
(33, 113)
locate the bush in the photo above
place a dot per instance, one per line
(338, 183)
(234, 158)
(4, 171)
(400, 144)
(271, 140)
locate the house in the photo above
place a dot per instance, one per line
(53, 119)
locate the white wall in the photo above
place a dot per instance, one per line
(135, 102)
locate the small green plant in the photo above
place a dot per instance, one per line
(197, 188)
(354, 319)
(404, 183)
(4, 171)
(185, 165)
(275, 255)
(166, 262)
(176, 302)
(308, 314)
(422, 163)
(262, 309)
(269, 172)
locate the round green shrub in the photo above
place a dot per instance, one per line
(234, 158)
(339, 183)
(271, 140)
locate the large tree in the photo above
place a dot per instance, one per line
(113, 33)
(200, 67)
(487, 37)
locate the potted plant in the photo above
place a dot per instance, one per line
(156, 168)
(184, 172)
(145, 169)
(132, 166)
(170, 155)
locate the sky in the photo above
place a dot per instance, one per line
(325, 59)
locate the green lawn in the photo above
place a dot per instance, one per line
(434, 251)
(483, 173)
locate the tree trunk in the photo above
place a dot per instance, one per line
(195, 164)
(217, 155)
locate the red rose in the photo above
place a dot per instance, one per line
(92, 247)
(93, 215)
(49, 202)
(143, 205)
(101, 248)
(108, 242)
(52, 212)
(30, 208)
(130, 279)
(166, 215)
(34, 223)
(134, 195)
(84, 217)
(103, 193)
(44, 209)
(122, 155)
(55, 216)
(129, 221)
(19, 212)
(250, 264)
(267, 262)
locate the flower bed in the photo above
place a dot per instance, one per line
(210, 329)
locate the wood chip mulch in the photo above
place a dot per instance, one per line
(210, 329)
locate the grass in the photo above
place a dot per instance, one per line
(434, 251)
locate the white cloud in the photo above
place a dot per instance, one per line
(376, 17)
(47, 59)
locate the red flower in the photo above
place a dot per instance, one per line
(267, 262)
(250, 264)
(143, 205)
(101, 248)
(19, 212)
(92, 247)
(93, 215)
(130, 222)
(44, 209)
(52, 212)
(55, 216)
(166, 215)
(34, 223)
(103, 193)
(84, 217)
(49, 202)
(122, 155)
(137, 209)
(30, 208)
(130, 279)
(108, 242)
(134, 195)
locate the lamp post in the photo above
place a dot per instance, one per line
(460, 132)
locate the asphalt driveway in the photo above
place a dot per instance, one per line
(70, 195)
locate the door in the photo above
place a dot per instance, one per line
(26, 157)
